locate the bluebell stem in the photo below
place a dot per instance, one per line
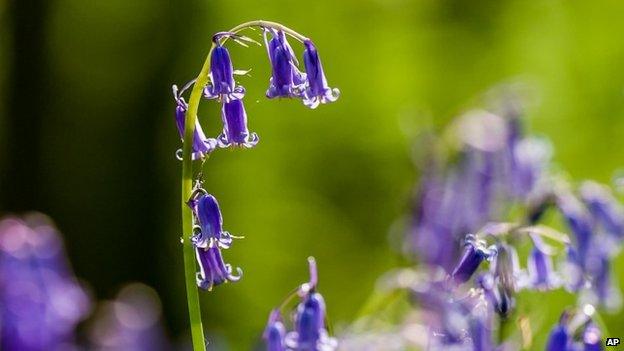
(475, 251)
(506, 273)
(208, 213)
(235, 132)
(213, 270)
(222, 85)
(317, 90)
(604, 207)
(530, 159)
(40, 300)
(275, 332)
(286, 79)
(201, 145)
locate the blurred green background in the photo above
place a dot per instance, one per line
(87, 133)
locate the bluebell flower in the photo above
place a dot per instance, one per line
(541, 274)
(235, 132)
(592, 338)
(275, 332)
(130, 322)
(505, 271)
(286, 79)
(213, 270)
(317, 90)
(222, 85)
(208, 214)
(41, 302)
(475, 252)
(559, 338)
(201, 145)
(309, 332)
(604, 207)
(579, 221)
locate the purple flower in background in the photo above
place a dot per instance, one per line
(592, 338)
(540, 268)
(213, 270)
(40, 300)
(558, 339)
(575, 331)
(607, 211)
(475, 252)
(275, 332)
(235, 132)
(131, 322)
(579, 221)
(317, 90)
(201, 145)
(208, 213)
(286, 79)
(222, 85)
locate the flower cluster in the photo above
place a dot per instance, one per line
(41, 301)
(481, 201)
(287, 81)
(309, 332)
(495, 166)
(208, 239)
(575, 331)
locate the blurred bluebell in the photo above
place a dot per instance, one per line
(592, 338)
(558, 339)
(317, 90)
(208, 214)
(475, 252)
(605, 208)
(275, 332)
(41, 301)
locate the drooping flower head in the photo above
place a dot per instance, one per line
(235, 132)
(208, 214)
(541, 274)
(317, 90)
(310, 333)
(201, 145)
(275, 332)
(213, 270)
(286, 79)
(475, 252)
(222, 85)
